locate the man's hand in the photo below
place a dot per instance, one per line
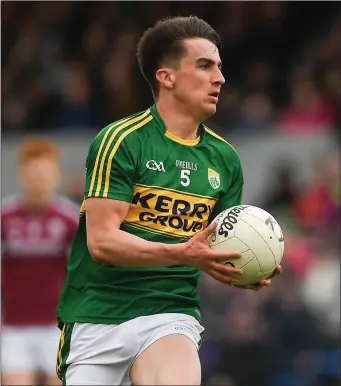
(262, 283)
(198, 254)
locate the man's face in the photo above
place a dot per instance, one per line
(199, 78)
(39, 177)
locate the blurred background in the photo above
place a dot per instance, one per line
(69, 69)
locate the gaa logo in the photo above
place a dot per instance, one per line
(157, 166)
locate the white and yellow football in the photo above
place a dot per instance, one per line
(256, 234)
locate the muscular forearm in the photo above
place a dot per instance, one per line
(126, 250)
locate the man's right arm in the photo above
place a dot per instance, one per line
(108, 244)
(111, 168)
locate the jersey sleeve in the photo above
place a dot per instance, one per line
(110, 168)
(234, 192)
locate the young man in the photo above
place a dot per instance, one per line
(37, 229)
(129, 311)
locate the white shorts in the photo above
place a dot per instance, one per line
(99, 354)
(26, 349)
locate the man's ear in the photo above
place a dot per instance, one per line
(166, 77)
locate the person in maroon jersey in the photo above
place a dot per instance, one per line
(37, 230)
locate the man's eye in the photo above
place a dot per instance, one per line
(205, 66)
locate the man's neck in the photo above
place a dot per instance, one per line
(178, 121)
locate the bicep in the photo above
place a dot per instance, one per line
(103, 215)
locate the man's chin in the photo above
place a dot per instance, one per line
(210, 110)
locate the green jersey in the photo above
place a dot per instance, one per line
(175, 187)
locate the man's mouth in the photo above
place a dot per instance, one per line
(213, 96)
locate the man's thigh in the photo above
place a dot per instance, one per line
(171, 360)
(169, 355)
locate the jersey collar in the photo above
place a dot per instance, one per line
(161, 124)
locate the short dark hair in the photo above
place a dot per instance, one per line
(162, 44)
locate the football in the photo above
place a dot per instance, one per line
(256, 234)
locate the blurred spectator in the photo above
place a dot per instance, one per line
(299, 253)
(37, 229)
(308, 112)
(317, 207)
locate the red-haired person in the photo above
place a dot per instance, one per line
(38, 226)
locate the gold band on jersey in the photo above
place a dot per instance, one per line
(99, 153)
(175, 191)
(169, 212)
(122, 124)
(113, 151)
(112, 138)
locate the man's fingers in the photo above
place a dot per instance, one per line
(277, 271)
(222, 278)
(265, 283)
(207, 231)
(214, 254)
(255, 287)
(226, 269)
(223, 255)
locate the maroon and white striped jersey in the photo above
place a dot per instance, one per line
(35, 247)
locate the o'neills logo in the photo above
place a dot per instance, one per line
(168, 211)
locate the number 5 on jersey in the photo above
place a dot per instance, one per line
(185, 181)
